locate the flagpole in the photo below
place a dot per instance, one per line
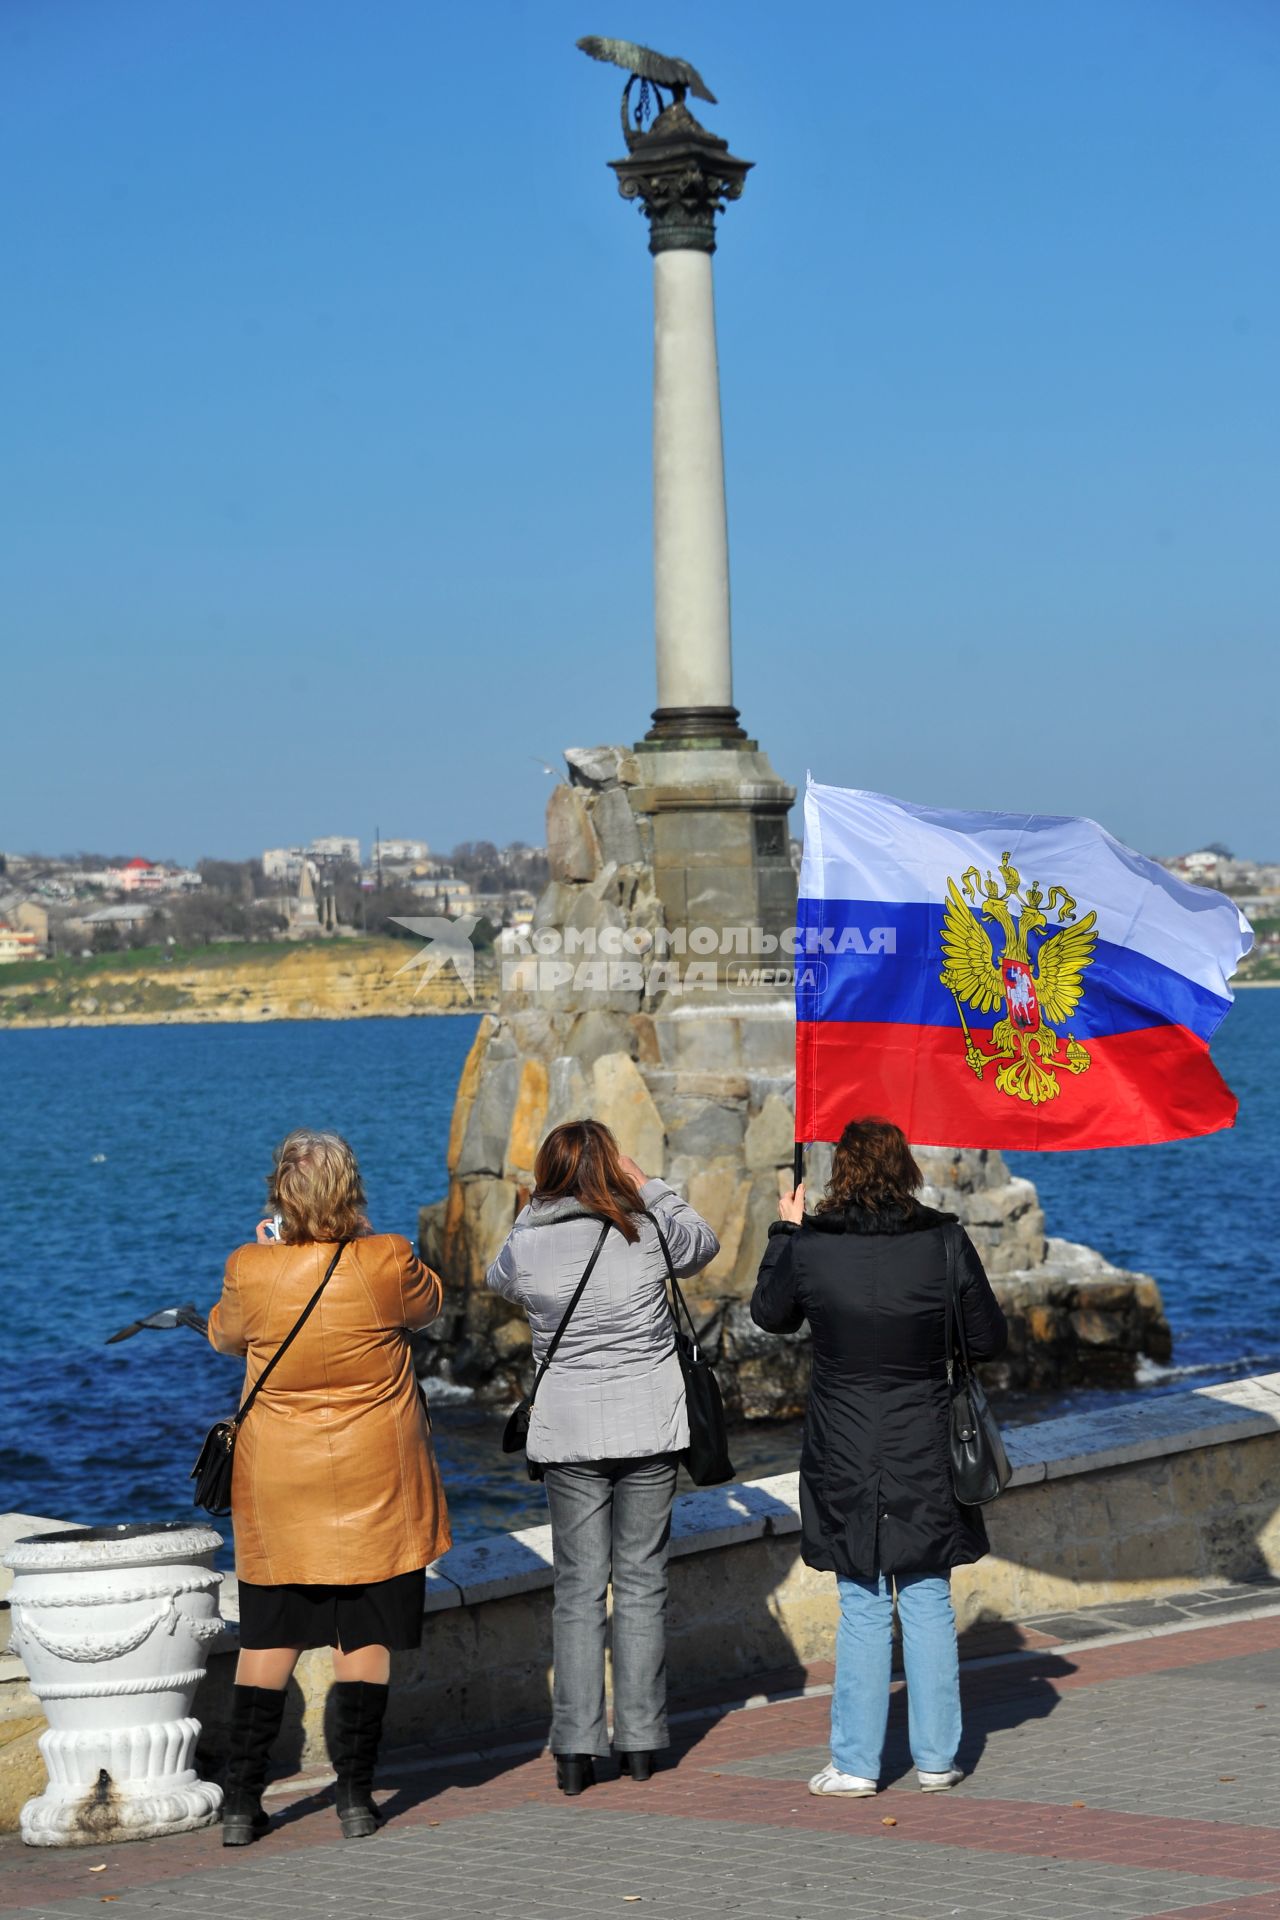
(797, 1170)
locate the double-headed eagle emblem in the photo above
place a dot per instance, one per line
(1035, 986)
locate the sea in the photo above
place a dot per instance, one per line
(135, 1158)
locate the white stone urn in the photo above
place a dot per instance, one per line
(114, 1626)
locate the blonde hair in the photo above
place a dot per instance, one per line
(315, 1187)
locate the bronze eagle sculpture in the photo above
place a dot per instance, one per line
(642, 63)
(652, 71)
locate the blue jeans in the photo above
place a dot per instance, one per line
(864, 1652)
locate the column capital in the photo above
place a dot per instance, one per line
(682, 175)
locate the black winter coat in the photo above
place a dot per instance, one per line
(875, 1474)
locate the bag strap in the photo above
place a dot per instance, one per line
(290, 1337)
(955, 1310)
(579, 1290)
(681, 1304)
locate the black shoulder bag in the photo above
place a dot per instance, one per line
(515, 1435)
(979, 1464)
(706, 1459)
(213, 1470)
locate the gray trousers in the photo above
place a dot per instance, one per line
(610, 1516)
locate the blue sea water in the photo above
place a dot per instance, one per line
(135, 1158)
(1198, 1214)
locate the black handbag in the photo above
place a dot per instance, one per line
(515, 1434)
(213, 1469)
(979, 1464)
(706, 1459)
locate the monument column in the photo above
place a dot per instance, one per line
(681, 175)
(690, 533)
(718, 811)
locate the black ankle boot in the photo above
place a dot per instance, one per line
(357, 1731)
(256, 1713)
(574, 1771)
(638, 1765)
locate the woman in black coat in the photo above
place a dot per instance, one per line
(868, 1272)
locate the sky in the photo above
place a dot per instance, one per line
(326, 348)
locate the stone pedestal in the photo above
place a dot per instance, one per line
(721, 850)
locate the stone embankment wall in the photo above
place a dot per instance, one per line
(699, 1086)
(1158, 1496)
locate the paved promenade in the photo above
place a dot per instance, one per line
(1130, 1773)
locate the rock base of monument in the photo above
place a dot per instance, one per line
(605, 1009)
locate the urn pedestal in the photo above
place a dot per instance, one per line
(114, 1626)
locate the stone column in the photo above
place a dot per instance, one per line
(690, 529)
(681, 175)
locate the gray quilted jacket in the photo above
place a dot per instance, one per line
(614, 1390)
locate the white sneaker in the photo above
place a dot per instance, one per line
(939, 1782)
(847, 1786)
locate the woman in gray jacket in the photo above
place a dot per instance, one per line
(608, 1424)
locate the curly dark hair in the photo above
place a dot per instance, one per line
(873, 1169)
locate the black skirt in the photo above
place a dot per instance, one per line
(386, 1613)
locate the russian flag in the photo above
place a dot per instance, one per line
(1003, 980)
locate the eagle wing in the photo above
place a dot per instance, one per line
(664, 69)
(969, 971)
(1060, 966)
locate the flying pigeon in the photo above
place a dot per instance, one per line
(167, 1317)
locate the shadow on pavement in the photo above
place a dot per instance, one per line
(993, 1702)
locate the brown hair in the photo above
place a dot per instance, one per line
(582, 1158)
(873, 1169)
(315, 1187)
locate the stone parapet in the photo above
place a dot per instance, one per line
(1155, 1496)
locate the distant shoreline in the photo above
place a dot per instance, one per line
(208, 1019)
(247, 986)
(254, 985)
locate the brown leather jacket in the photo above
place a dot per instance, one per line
(335, 1477)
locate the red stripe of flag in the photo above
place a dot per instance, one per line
(1153, 1084)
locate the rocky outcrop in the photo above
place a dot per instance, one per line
(698, 1083)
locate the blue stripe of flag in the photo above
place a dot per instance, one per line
(897, 977)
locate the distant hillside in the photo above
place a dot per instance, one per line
(312, 980)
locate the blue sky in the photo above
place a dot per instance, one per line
(326, 343)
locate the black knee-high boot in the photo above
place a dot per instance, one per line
(256, 1713)
(357, 1730)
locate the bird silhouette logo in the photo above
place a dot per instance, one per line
(449, 945)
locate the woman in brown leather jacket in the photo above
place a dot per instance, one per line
(336, 1502)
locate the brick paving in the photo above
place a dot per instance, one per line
(1136, 1779)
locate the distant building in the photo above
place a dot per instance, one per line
(447, 896)
(283, 863)
(145, 876)
(403, 853)
(335, 846)
(130, 914)
(18, 943)
(34, 919)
